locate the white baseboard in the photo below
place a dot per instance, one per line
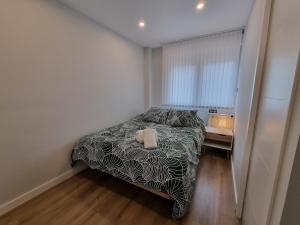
(8, 206)
(234, 182)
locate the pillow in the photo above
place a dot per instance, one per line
(184, 118)
(156, 115)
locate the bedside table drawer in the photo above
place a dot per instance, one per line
(218, 137)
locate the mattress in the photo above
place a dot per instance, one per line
(170, 168)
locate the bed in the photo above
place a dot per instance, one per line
(170, 169)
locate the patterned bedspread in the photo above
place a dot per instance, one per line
(170, 168)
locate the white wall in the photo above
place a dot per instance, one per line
(248, 86)
(274, 111)
(147, 78)
(61, 76)
(156, 81)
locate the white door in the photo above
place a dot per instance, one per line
(273, 112)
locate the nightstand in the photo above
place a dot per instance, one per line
(219, 138)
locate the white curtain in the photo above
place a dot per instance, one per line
(202, 72)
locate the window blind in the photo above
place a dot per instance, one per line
(202, 72)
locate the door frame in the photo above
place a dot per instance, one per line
(254, 107)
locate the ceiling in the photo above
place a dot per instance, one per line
(166, 20)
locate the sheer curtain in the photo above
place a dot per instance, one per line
(202, 72)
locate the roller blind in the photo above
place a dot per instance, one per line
(202, 72)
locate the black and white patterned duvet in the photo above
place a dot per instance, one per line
(170, 168)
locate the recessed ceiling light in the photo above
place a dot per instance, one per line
(142, 24)
(200, 5)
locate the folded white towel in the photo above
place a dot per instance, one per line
(139, 136)
(150, 138)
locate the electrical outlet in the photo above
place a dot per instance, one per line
(213, 111)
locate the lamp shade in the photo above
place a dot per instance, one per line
(221, 121)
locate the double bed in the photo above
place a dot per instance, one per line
(170, 169)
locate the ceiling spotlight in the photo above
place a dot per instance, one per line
(142, 24)
(200, 5)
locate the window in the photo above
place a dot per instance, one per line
(182, 91)
(202, 72)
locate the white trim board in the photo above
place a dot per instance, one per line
(8, 206)
(234, 181)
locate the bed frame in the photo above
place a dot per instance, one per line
(159, 193)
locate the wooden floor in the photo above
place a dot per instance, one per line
(91, 198)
